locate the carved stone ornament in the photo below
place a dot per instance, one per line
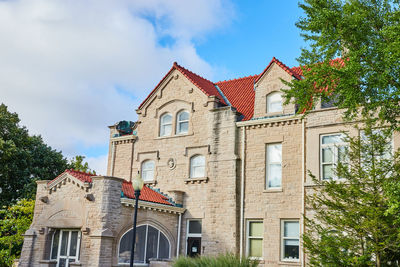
(171, 163)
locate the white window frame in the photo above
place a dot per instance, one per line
(145, 245)
(178, 122)
(268, 163)
(269, 102)
(283, 238)
(192, 234)
(248, 238)
(145, 170)
(191, 166)
(163, 125)
(335, 154)
(67, 257)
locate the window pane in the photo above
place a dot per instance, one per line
(64, 242)
(166, 130)
(163, 252)
(332, 139)
(274, 102)
(56, 240)
(74, 243)
(197, 167)
(275, 107)
(274, 153)
(327, 155)
(255, 247)
(197, 172)
(274, 175)
(194, 227)
(183, 116)
(256, 229)
(342, 150)
(126, 245)
(291, 249)
(166, 119)
(63, 263)
(183, 127)
(152, 243)
(291, 229)
(148, 175)
(327, 171)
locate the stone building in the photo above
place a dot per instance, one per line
(224, 168)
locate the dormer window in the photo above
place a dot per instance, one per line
(166, 124)
(182, 122)
(274, 102)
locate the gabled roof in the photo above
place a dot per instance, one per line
(240, 93)
(203, 84)
(283, 66)
(147, 194)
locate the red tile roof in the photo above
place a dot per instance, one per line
(334, 62)
(283, 66)
(146, 194)
(240, 93)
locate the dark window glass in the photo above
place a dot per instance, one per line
(152, 243)
(195, 227)
(56, 240)
(163, 251)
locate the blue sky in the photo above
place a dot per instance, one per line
(70, 69)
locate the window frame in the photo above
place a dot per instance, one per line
(67, 257)
(282, 249)
(335, 154)
(145, 244)
(161, 125)
(269, 102)
(147, 170)
(191, 166)
(178, 122)
(267, 168)
(248, 238)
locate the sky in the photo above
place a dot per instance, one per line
(71, 68)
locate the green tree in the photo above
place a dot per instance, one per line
(347, 221)
(77, 163)
(24, 159)
(14, 221)
(365, 34)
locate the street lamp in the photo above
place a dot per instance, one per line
(137, 184)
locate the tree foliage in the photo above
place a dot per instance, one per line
(14, 221)
(77, 163)
(24, 159)
(350, 221)
(365, 35)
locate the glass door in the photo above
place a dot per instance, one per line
(65, 247)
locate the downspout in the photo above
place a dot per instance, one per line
(178, 243)
(303, 171)
(242, 191)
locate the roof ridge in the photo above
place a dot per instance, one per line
(179, 66)
(78, 171)
(240, 78)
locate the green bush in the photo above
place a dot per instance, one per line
(227, 260)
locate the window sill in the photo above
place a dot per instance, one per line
(196, 180)
(152, 182)
(172, 136)
(289, 262)
(273, 190)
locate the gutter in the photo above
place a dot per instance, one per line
(242, 191)
(178, 242)
(303, 176)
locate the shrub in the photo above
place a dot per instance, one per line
(226, 260)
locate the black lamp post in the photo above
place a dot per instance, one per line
(137, 184)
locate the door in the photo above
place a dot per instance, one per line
(66, 247)
(193, 246)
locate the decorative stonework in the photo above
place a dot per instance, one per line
(171, 163)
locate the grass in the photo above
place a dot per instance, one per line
(226, 260)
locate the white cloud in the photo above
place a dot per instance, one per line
(99, 164)
(70, 68)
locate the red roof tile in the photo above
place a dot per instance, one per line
(283, 66)
(240, 93)
(146, 194)
(337, 62)
(203, 84)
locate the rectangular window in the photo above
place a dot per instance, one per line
(333, 148)
(274, 166)
(255, 233)
(388, 149)
(65, 246)
(193, 238)
(290, 248)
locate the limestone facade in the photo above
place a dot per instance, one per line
(232, 195)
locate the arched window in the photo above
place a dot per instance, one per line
(182, 122)
(197, 166)
(150, 243)
(274, 102)
(165, 124)
(148, 170)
